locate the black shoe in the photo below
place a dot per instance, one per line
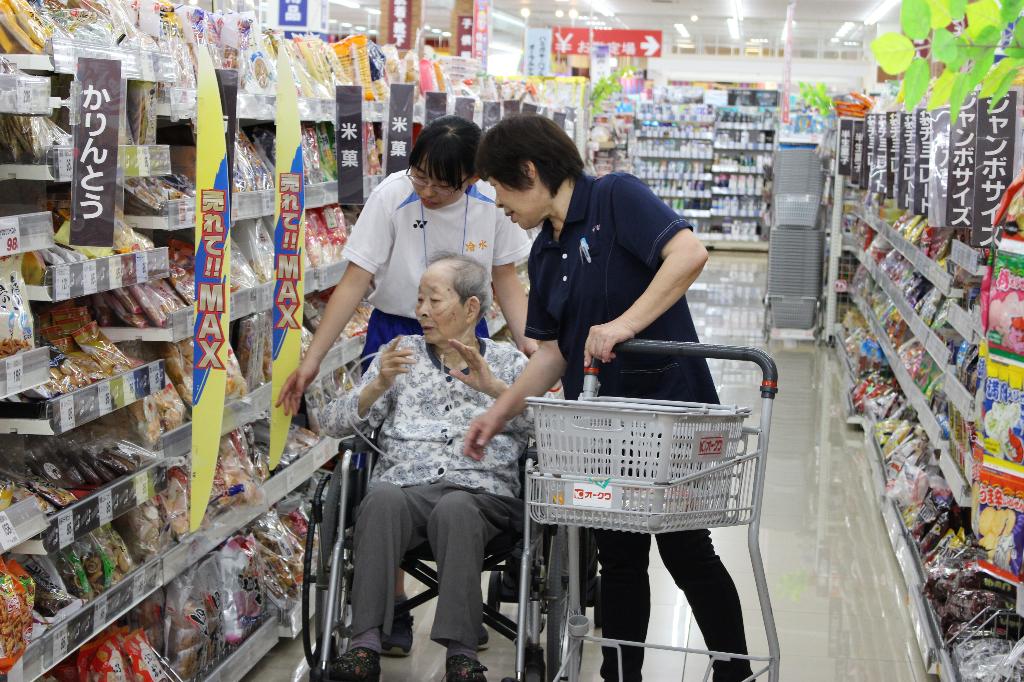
(357, 665)
(483, 639)
(463, 669)
(399, 642)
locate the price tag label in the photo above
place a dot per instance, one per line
(65, 165)
(89, 277)
(99, 611)
(8, 533)
(591, 495)
(142, 487)
(106, 507)
(60, 643)
(106, 400)
(10, 241)
(139, 585)
(141, 268)
(15, 370)
(155, 385)
(66, 412)
(62, 282)
(143, 158)
(146, 68)
(116, 272)
(65, 528)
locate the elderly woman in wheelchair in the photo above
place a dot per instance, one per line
(420, 394)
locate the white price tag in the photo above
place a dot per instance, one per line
(106, 507)
(154, 379)
(99, 612)
(143, 158)
(141, 268)
(65, 528)
(15, 373)
(147, 68)
(106, 401)
(9, 236)
(142, 488)
(66, 407)
(8, 533)
(591, 495)
(60, 643)
(116, 273)
(89, 277)
(62, 282)
(139, 585)
(65, 165)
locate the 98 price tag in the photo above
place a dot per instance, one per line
(61, 283)
(66, 407)
(141, 488)
(99, 611)
(60, 643)
(139, 585)
(9, 237)
(106, 507)
(89, 278)
(8, 533)
(15, 371)
(106, 401)
(591, 495)
(154, 379)
(116, 276)
(65, 528)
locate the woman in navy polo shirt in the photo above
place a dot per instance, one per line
(611, 263)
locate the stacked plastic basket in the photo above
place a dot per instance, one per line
(797, 240)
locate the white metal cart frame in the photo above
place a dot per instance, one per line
(654, 467)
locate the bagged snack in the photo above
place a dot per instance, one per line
(146, 421)
(186, 632)
(169, 408)
(16, 330)
(241, 574)
(98, 565)
(281, 554)
(999, 523)
(143, 663)
(100, 660)
(178, 365)
(149, 616)
(236, 386)
(115, 548)
(208, 588)
(1005, 310)
(145, 531)
(1001, 425)
(110, 358)
(51, 596)
(251, 340)
(17, 611)
(174, 499)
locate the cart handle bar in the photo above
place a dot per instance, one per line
(769, 372)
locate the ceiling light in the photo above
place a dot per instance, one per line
(508, 19)
(436, 31)
(573, 13)
(345, 24)
(346, 3)
(694, 18)
(834, 40)
(734, 28)
(559, 13)
(603, 7)
(426, 27)
(446, 34)
(372, 10)
(682, 30)
(880, 11)
(851, 43)
(758, 41)
(360, 28)
(525, 13)
(332, 21)
(844, 29)
(737, 9)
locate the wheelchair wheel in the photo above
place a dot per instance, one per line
(494, 590)
(557, 606)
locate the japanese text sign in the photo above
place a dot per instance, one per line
(620, 42)
(400, 26)
(481, 30)
(94, 191)
(922, 167)
(538, 52)
(348, 134)
(464, 37)
(857, 165)
(938, 163)
(993, 163)
(963, 143)
(398, 135)
(908, 153)
(845, 155)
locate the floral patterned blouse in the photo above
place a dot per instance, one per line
(423, 418)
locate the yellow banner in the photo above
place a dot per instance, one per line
(289, 240)
(213, 288)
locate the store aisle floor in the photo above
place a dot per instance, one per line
(839, 603)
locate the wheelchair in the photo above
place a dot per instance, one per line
(529, 569)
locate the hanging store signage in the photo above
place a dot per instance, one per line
(465, 107)
(880, 171)
(922, 167)
(620, 42)
(963, 143)
(436, 106)
(400, 24)
(94, 190)
(510, 107)
(298, 16)
(537, 57)
(938, 163)
(857, 165)
(492, 114)
(872, 152)
(559, 119)
(481, 30)
(348, 136)
(994, 159)
(845, 154)
(399, 127)
(289, 240)
(905, 197)
(227, 83)
(894, 132)
(213, 288)
(464, 37)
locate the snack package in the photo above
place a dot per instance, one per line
(72, 573)
(1001, 427)
(149, 617)
(178, 365)
(141, 659)
(16, 329)
(281, 553)
(51, 595)
(241, 573)
(251, 342)
(1005, 302)
(100, 660)
(17, 615)
(145, 530)
(174, 499)
(186, 632)
(208, 589)
(998, 517)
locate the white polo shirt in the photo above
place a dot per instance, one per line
(396, 236)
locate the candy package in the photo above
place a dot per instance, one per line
(51, 597)
(17, 592)
(1002, 410)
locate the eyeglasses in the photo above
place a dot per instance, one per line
(420, 185)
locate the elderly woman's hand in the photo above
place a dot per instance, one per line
(393, 362)
(480, 376)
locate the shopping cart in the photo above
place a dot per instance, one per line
(652, 467)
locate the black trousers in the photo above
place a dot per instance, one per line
(698, 571)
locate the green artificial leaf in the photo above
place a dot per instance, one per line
(956, 9)
(939, 11)
(915, 83)
(1005, 81)
(944, 46)
(1011, 10)
(990, 37)
(915, 19)
(994, 78)
(957, 95)
(962, 54)
(941, 89)
(1014, 52)
(980, 68)
(981, 15)
(894, 52)
(1018, 34)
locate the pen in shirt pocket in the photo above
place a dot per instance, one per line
(585, 249)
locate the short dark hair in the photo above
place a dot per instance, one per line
(446, 150)
(517, 139)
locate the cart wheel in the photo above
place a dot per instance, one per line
(494, 590)
(598, 611)
(557, 597)
(535, 673)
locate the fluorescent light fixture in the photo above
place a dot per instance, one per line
(834, 40)
(360, 28)
(426, 27)
(737, 9)
(573, 14)
(880, 11)
(351, 4)
(851, 43)
(436, 31)
(346, 24)
(844, 30)
(525, 13)
(758, 41)
(332, 21)
(504, 47)
(446, 34)
(682, 30)
(559, 13)
(734, 28)
(508, 19)
(694, 18)
(602, 7)
(372, 10)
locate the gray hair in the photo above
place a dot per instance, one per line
(469, 278)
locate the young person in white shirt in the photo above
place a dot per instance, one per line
(438, 205)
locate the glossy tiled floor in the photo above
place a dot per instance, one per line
(835, 587)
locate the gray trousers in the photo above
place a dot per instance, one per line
(458, 523)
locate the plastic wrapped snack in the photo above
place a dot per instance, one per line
(241, 573)
(186, 632)
(20, 28)
(27, 139)
(17, 610)
(98, 565)
(281, 553)
(146, 421)
(169, 408)
(249, 237)
(110, 358)
(72, 572)
(174, 499)
(311, 156)
(141, 659)
(145, 531)
(178, 365)
(251, 343)
(242, 275)
(208, 589)
(51, 595)
(16, 329)
(116, 550)
(325, 139)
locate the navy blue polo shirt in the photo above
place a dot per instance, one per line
(625, 227)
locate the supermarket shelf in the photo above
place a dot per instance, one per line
(683, 195)
(693, 213)
(729, 125)
(244, 658)
(808, 138)
(341, 354)
(734, 193)
(931, 341)
(960, 396)
(251, 301)
(24, 370)
(178, 214)
(325, 276)
(180, 326)
(177, 103)
(64, 413)
(191, 549)
(247, 205)
(653, 123)
(24, 94)
(237, 412)
(934, 272)
(750, 216)
(956, 478)
(289, 624)
(25, 232)
(321, 194)
(967, 325)
(20, 521)
(642, 155)
(98, 509)
(63, 282)
(914, 395)
(966, 258)
(57, 167)
(676, 177)
(736, 170)
(849, 380)
(62, 55)
(748, 147)
(727, 244)
(691, 138)
(147, 160)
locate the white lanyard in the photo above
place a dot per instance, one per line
(423, 221)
